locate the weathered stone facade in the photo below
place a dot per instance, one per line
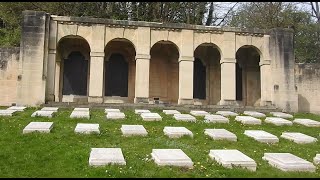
(78, 59)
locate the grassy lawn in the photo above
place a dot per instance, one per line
(62, 153)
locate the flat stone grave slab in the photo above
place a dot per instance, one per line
(80, 114)
(278, 121)
(307, 122)
(41, 113)
(227, 113)
(316, 159)
(81, 109)
(281, 115)
(55, 109)
(43, 127)
(261, 136)
(213, 118)
(139, 111)
(6, 112)
(171, 157)
(254, 114)
(105, 156)
(220, 134)
(133, 130)
(298, 138)
(199, 113)
(17, 108)
(86, 128)
(288, 162)
(248, 120)
(111, 110)
(184, 117)
(177, 132)
(115, 115)
(151, 116)
(232, 157)
(170, 112)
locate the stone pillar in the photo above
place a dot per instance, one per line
(228, 81)
(96, 77)
(50, 89)
(33, 58)
(265, 71)
(57, 81)
(142, 78)
(186, 80)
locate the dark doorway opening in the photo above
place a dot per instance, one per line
(75, 74)
(199, 80)
(116, 76)
(238, 82)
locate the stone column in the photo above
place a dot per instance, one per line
(57, 80)
(186, 80)
(142, 78)
(228, 81)
(265, 71)
(51, 75)
(96, 77)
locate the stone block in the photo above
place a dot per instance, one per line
(220, 134)
(169, 112)
(254, 114)
(80, 114)
(6, 112)
(81, 109)
(248, 120)
(227, 113)
(106, 156)
(151, 116)
(199, 113)
(43, 127)
(111, 110)
(281, 115)
(184, 117)
(278, 121)
(139, 111)
(288, 162)
(232, 157)
(130, 130)
(316, 159)
(41, 113)
(55, 109)
(171, 157)
(298, 138)
(17, 108)
(115, 115)
(86, 128)
(177, 132)
(262, 136)
(307, 122)
(211, 118)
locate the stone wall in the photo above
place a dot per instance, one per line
(307, 78)
(9, 62)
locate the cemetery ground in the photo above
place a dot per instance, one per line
(63, 153)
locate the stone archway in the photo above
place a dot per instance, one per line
(248, 81)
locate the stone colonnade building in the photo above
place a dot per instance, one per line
(79, 59)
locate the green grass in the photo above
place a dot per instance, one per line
(62, 153)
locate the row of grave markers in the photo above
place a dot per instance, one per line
(176, 157)
(177, 132)
(219, 117)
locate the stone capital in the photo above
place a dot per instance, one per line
(265, 62)
(228, 60)
(52, 51)
(186, 58)
(97, 54)
(143, 56)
